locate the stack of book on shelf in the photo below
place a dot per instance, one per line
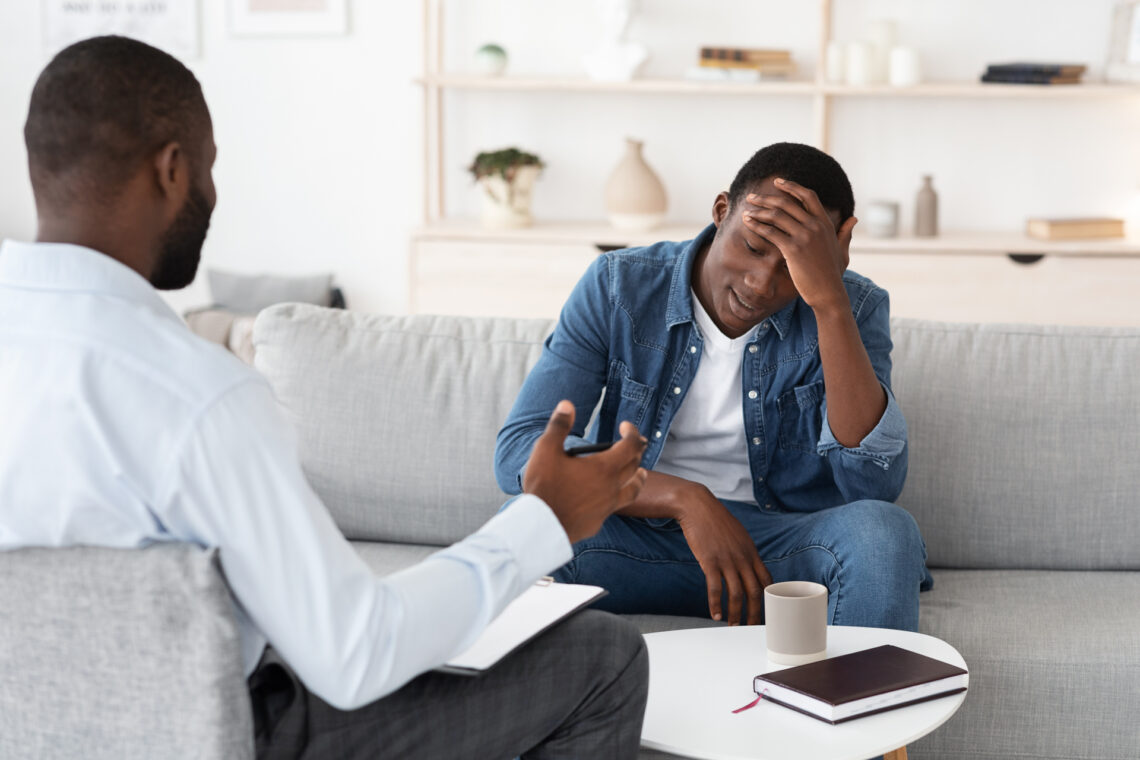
(1034, 73)
(1074, 229)
(718, 64)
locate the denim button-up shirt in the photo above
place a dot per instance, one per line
(627, 335)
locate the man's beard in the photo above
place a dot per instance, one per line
(182, 244)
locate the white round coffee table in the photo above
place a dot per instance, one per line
(698, 677)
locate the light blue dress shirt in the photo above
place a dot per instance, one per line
(121, 428)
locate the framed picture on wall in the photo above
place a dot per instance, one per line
(1124, 47)
(260, 18)
(171, 25)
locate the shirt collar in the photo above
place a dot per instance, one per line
(680, 308)
(74, 268)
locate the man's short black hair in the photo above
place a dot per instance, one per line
(101, 107)
(803, 165)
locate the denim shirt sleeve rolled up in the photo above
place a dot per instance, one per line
(627, 337)
(877, 467)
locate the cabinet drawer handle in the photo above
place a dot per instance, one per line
(1025, 258)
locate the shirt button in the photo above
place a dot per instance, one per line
(677, 391)
(692, 349)
(767, 506)
(752, 394)
(760, 479)
(752, 349)
(764, 326)
(657, 434)
(756, 442)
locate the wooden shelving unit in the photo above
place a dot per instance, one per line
(575, 241)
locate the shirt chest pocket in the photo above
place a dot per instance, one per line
(626, 398)
(801, 417)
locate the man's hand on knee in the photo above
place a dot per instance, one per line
(727, 557)
(584, 491)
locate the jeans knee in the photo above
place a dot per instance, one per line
(886, 531)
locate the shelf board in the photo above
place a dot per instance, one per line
(600, 233)
(986, 90)
(984, 242)
(647, 86)
(584, 232)
(970, 89)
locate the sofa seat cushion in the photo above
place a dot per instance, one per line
(1054, 661)
(385, 558)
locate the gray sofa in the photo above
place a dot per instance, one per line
(1024, 477)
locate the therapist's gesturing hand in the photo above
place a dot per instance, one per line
(583, 491)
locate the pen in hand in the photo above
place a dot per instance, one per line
(588, 448)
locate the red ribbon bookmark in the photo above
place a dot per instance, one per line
(751, 704)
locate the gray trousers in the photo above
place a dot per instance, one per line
(576, 691)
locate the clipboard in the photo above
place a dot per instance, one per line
(534, 611)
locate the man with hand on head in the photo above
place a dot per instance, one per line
(121, 429)
(759, 368)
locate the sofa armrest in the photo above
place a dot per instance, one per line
(120, 653)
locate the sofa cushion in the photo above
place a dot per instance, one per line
(397, 416)
(250, 293)
(1054, 661)
(120, 653)
(1023, 443)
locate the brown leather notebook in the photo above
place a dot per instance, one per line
(861, 683)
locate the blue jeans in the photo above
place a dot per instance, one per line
(869, 554)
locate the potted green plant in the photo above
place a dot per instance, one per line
(506, 178)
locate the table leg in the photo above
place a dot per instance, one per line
(897, 754)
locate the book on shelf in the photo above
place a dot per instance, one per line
(727, 55)
(1034, 73)
(1030, 79)
(1047, 69)
(863, 683)
(1074, 228)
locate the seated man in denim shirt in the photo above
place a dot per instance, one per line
(759, 368)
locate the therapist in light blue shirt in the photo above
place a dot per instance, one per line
(121, 428)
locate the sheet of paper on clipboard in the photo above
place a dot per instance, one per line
(535, 610)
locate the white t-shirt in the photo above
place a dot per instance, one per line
(706, 442)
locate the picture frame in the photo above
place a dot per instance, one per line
(1124, 44)
(288, 18)
(171, 25)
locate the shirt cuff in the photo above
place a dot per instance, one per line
(533, 535)
(882, 445)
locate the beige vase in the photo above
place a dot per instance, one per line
(635, 197)
(506, 204)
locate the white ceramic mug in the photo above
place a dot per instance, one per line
(795, 622)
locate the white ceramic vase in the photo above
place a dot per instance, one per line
(506, 204)
(635, 197)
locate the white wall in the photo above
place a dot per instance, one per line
(319, 146)
(320, 140)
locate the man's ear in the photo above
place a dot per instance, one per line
(720, 209)
(172, 173)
